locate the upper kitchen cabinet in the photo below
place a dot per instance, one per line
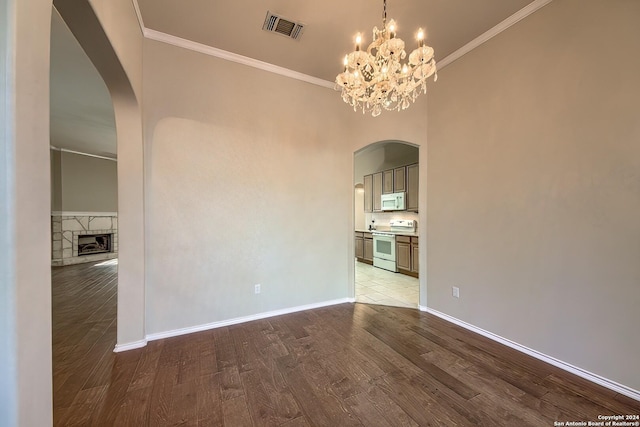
(399, 179)
(387, 182)
(412, 187)
(368, 193)
(377, 192)
(381, 169)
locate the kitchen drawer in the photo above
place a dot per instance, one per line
(403, 239)
(368, 235)
(414, 240)
(359, 234)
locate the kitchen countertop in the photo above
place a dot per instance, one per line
(382, 230)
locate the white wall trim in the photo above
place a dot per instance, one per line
(612, 385)
(136, 7)
(234, 57)
(129, 346)
(237, 320)
(82, 154)
(71, 213)
(484, 37)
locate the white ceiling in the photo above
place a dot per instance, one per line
(81, 113)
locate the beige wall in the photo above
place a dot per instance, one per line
(248, 180)
(83, 183)
(25, 277)
(8, 345)
(534, 184)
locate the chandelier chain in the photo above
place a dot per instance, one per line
(384, 13)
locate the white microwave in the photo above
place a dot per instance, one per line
(393, 202)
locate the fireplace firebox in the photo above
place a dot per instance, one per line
(90, 244)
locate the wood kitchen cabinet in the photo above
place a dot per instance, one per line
(359, 245)
(412, 187)
(387, 181)
(407, 255)
(364, 247)
(403, 252)
(377, 192)
(368, 193)
(415, 256)
(368, 248)
(399, 179)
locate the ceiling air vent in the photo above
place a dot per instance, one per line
(279, 25)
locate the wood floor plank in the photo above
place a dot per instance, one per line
(497, 394)
(389, 411)
(209, 400)
(343, 365)
(284, 404)
(184, 404)
(316, 406)
(134, 410)
(161, 392)
(412, 354)
(230, 383)
(235, 412)
(500, 367)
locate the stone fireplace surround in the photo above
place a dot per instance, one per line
(67, 226)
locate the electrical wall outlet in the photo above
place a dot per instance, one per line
(455, 291)
(257, 288)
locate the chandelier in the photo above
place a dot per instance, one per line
(377, 79)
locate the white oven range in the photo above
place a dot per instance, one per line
(384, 243)
(384, 251)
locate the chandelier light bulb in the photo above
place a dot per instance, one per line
(384, 76)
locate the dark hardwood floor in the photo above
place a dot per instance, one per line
(346, 365)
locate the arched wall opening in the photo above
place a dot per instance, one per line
(83, 22)
(388, 158)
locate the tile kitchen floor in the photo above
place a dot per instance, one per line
(377, 286)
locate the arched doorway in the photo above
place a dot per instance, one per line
(381, 168)
(83, 22)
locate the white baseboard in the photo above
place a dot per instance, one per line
(237, 320)
(590, 376)
(129, 346)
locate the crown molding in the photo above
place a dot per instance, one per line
(52, 147)
(487, 35)
(234, 57)
(136, 7)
